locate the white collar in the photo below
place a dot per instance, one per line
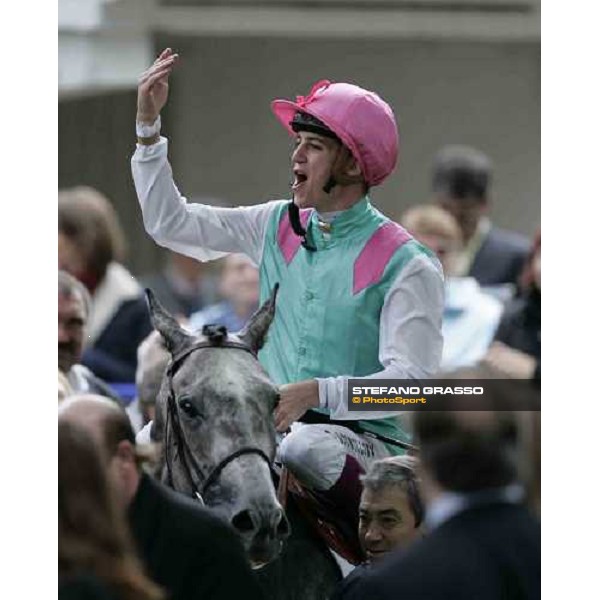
(117, 286)
(328, 217)
(77, 380)
(449, 504)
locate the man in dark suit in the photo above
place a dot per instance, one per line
(461, 181)
(186, 550)
(482, 542)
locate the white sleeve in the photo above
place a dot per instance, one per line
(197, 230)
(410, 338)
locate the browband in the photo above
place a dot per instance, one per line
(207, 344)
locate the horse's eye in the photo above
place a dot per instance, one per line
(188, 408)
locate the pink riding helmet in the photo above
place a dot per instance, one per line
(360, 118)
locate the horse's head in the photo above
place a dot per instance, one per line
(214, 418)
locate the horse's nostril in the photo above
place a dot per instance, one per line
(243, 521)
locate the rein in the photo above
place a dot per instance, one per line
(217, 339)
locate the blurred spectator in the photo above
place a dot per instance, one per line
(238, 285)
(524, 399)
(531, 459)
(90, 244)
(470, 315)
(482, 542)
(517, 349)
(461, 181)
(73, 314)
(391, 512)
(153, 358)
(183, 286)
(187, 551)
(96, 559)
(64, 387)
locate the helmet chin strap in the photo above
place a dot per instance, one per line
(331, 183)
(294, 211)
(294, 215)
(335, 166)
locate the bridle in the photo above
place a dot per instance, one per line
(217, 338)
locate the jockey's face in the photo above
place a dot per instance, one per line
(71, 325)
(312, 161)
(386, 521)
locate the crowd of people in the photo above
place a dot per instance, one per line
(359, 295)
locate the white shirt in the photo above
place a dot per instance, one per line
(410, 341)
(448, 504)
(470, 321)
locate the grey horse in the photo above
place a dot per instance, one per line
(214, 419)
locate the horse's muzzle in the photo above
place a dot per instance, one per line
(263, 530)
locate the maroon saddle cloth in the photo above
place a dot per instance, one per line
(331, 514)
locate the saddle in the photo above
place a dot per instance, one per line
(339, 530)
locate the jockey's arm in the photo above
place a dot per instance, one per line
(410, 338)
(200, 231)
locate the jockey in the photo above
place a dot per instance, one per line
(358, 296)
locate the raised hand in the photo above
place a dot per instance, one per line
(153, 87)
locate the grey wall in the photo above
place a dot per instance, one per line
(96, 137)
(226, 144)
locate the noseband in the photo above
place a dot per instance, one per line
(217, 338)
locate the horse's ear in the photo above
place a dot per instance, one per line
(255, 331)
(174, 335)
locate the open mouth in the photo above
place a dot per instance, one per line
(299, 180)
(258, 565)
(261, 554)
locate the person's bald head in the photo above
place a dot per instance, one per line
(108, 425)
(103, 418)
